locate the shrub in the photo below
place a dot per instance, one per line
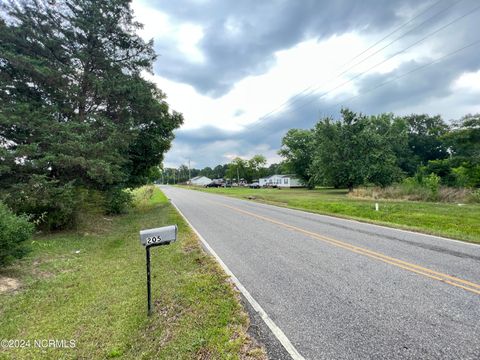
(432, 183)
(14, 231)
(468, 176)
(142, 195)
(50, 205)
(444, 169)
(118, 201)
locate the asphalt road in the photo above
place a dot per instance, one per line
(341, 289)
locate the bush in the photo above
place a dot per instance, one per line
(118, 201)
(468, 176)
(14, 231)
(50, 205)
(442, 168)
(432, 183)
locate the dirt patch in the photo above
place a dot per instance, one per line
(8, 284)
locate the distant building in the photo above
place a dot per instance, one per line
(199, 181)
(281, 181)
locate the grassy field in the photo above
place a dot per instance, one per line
(450, 220)
(89, 286)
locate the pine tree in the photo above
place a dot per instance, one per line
(74, 109)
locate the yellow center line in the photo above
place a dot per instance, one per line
(420, 270)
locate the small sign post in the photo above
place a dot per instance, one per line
(155, 237)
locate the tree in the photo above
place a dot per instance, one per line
(464, 145)
(256, 167)
(75, 110)
(182, 173)
(355, 150)
(237, 169)
(425, 141)
(297, 149)
(208, 172)
(220, 171)
(274, 169)
(386, 137)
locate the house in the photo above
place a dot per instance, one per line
(199, 181)
(281, 181)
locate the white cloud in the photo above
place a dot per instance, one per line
(468, 81)
(155, 23)
(158, 25)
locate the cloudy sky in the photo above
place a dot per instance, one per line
(244, 72)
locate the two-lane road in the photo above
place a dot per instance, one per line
(342, 289)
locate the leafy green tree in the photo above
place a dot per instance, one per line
(355, 150)
(425, 141)
(387, 139)
(237, 169)
(281, 169)
(338, 161)
(208, 172)
(220, 171)
(464, 145)
(74, 107)
(297, 149)
(256, 167)
(182, 173)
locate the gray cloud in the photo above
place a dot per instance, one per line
(240, 37)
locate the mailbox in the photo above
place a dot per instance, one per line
(159, 236)
(155, 237)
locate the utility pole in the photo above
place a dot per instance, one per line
(173, 176)
(238, 177)
(189, 172)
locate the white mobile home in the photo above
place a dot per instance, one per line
(281, 181)
(199, 181)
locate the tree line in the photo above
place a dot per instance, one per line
(357, 149)
(247, 169)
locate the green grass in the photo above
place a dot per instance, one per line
(97, 296)
(450, 220)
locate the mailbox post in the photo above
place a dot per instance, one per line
(155, 237)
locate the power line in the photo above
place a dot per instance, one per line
(382, 62)
(403, 35)
(437, 60)
(312, 90)
(393, 32)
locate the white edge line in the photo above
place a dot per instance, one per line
(256, 306)
(344, 219)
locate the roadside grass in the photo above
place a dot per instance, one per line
(450, 220)
(89, 285)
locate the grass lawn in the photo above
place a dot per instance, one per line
(89, 286)
(450, 220)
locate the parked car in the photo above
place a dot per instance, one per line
(215, 184)
(254, 185)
